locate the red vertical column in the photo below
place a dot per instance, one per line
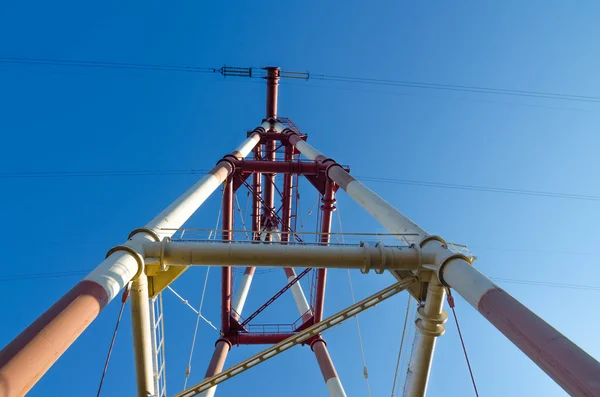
(269, 186)
(256, 193)
(272, 91)
(286, 200)
(271, 145)
(227, 235)
(327, 207)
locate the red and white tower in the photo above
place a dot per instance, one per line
(424, 265)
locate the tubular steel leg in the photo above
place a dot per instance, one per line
(142, 339)
(334, 386)
(298, 293)
(216, 364)
(430, 325)
(567, 364)
(241, 294)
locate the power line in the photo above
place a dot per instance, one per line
(452, 98)
(254, 72)
(31, 276)
(546, 284)
(452, 87)
(107, 65)
(71, 174)
(481, 188)
(491, 189)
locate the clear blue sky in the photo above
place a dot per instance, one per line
(68, 119)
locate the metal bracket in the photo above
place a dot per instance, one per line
(151, 232)
(438, 322)
(136, 255)
(382, 267)
(162, 265)
(367, 258)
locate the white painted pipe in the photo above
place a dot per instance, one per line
(297, 292)
(430, 325)
(343, 257)
(142, 337)
(239, 300)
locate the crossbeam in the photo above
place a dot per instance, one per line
(299, 338)
(361, 256)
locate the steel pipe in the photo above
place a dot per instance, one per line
(227, 235)
(297, 292)
(27, 358)
(289, 168)
(241, 293)
(332, 380)
(142, 337)
(274, 255)
(567, 364)
(429, 325)
(216, 364)
(273, 74)
(327, 209)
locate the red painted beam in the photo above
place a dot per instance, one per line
(269, 185)
(272, 91)
(256, 193)
(327, 208)
(302, 168)
(226, 270)
(286, 200)
(257, 338)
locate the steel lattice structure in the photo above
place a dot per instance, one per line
(149, 262)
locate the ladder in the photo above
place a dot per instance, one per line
(158, 346)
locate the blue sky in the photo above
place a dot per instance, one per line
(69, 119)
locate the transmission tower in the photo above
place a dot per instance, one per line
(151, 259)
